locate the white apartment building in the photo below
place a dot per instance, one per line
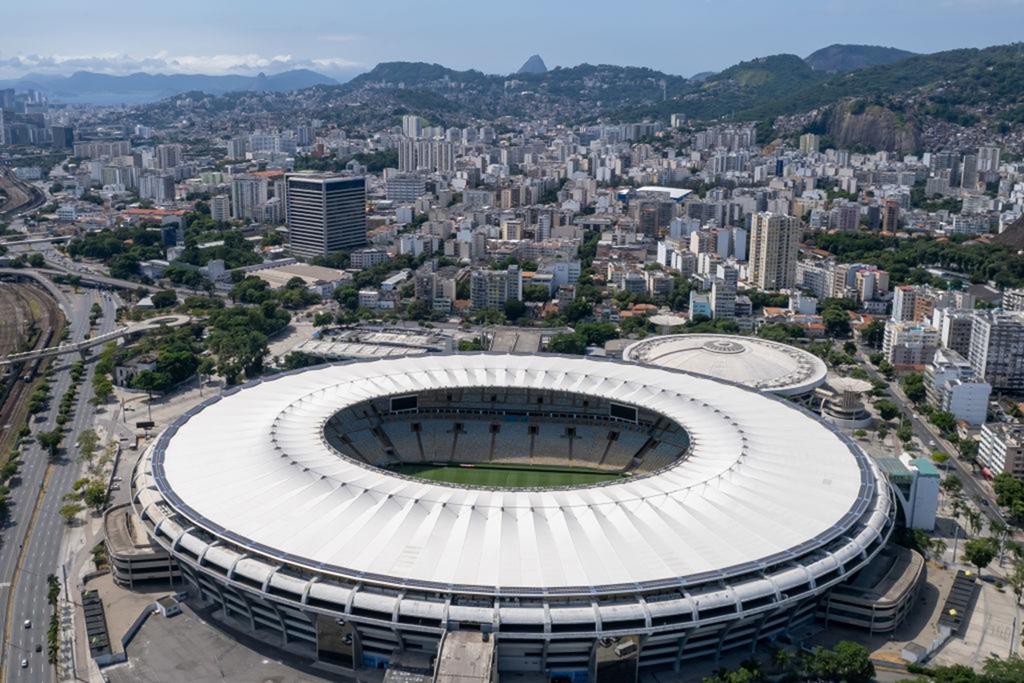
(952, 386)
(909, 343)
(1002, 448)
(997, 349)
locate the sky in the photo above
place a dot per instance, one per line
(341, 38)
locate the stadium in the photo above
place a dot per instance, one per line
(564, 516)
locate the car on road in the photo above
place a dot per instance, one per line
(28, 623)
(39, 647)
(24, 664)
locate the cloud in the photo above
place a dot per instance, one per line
(340, 38)
(116, 64)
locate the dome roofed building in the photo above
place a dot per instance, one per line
(756, 363)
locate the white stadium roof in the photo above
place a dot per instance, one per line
(763, 482)
(756, 363)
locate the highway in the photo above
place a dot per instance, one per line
(32, 541)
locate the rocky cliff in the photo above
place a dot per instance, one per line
(852, 124)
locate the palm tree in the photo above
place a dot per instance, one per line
(937, 548)
(999, 531)
(975, 521)
(1016, 549)
(958, 509)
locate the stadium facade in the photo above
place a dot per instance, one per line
(285, 504)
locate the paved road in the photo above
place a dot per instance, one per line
(42, 540)
(928, 433)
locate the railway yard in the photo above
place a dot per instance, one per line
(29, 319)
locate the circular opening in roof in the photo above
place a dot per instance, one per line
(506, 438)
(722, 346)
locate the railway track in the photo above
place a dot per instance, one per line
(21, 197)
(28, 317)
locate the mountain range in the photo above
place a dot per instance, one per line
(85, 87)
(842, 58)
(856, 95)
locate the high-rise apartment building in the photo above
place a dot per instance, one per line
(969, 172)
(997, 349)
(325, 213)
(809, 143)
(220, 208)
(891, 215)
(412, 126)
(988, 159)
(1013, 300)
(493, 288)
(169, 156)
(774, 244)
(247, 192)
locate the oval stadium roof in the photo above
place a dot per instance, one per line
(252, 467)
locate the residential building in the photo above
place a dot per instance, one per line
(405, 188)
(247, 192)
(220, 208)
(493, 288)
(997, 349)
(774, 244)
(909, 343)
(1013, 300)
(1002, 449)
(951, 385)
(954, 329)
(809, 143)
(368, 258)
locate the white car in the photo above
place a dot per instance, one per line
(28, 623)
(24, 664)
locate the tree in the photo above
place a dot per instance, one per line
(887, 409)
(904, 433)
(952, 485)
(514, 309)
(913, 386)
(95, 495)
(848, 662)
(569, 343)
(937, 548)
(51, 441)
(87, 441)
(837, 322)
(873, 334)
(944, 420)
(165, 298)
(980, 552)
(536, 293)
(474, 344)
(102, 389)
(69, 511)
(36, 260)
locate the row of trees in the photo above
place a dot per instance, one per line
(847, 662)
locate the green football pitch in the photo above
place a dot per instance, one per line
(498, 476)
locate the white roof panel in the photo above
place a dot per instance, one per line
(255, 469)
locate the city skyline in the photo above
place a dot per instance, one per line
(346, 40)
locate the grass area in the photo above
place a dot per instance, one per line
(506, 476)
